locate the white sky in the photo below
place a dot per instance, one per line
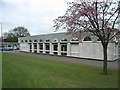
(36, 15)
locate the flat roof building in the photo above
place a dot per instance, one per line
(88, 46)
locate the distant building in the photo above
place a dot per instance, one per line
(8, 45)
(62, 44)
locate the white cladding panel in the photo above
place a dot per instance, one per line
(24, 47)
(95, 50)
(74, 49)
(90, 50)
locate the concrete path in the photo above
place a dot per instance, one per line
(113, 65)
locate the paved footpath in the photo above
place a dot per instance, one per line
(113, 65)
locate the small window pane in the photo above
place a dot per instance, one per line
(74, 39)
(47, 40)
(55, 47)
(30, 46)
(35, 40)
(25, 40)
(30, 40)
(35, 46)
(64, 39)
(41, 46)
(87, 39)
(63, 47)
(40, 40)
(47, 47)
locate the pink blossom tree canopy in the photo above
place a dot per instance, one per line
(99, 18)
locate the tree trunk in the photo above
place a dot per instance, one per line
(105, 60)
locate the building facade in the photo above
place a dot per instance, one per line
(66, 45)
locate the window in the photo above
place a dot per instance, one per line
(87, 39)
(48, 40)
(55, 47)
(35, 51)
(55, 53)
(40, 40)
(64, 47)
(64, 54)
(35, 40)
(47, 52)
(41, 46)
(25, 40)
(98, 39)
(47, 46)
(41, 51)
(35, 46)
(30, 46)
(64, 39)
(30, 40)
(22, 41)
(74, 39)
(55, 40)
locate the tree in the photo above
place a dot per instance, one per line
(14, 34)
(20, 31)
(9, 37)
(98, 18)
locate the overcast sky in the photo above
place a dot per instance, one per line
(36, 15)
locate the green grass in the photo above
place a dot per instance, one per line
(30, 72)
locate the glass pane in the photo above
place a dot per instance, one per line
(47, 47)
(35, 46)
(55, 47)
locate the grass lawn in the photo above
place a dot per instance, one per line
(30, 72)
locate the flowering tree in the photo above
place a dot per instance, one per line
(98, 18)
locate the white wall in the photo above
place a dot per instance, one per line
(24, 47)
(95, 50)
(84, 50)
(74, 50)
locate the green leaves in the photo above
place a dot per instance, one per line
(14, 34)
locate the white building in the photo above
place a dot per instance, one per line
(62, 44)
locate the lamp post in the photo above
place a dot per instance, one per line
(1, 36)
